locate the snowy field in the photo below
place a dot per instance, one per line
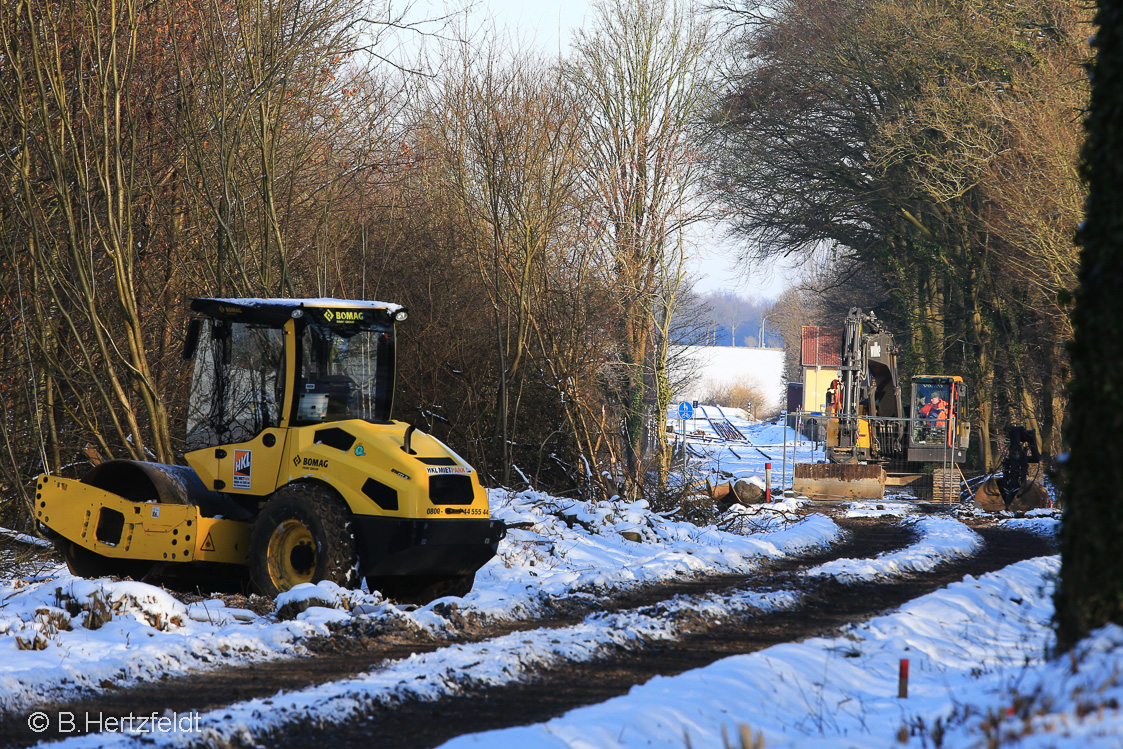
(977, 650)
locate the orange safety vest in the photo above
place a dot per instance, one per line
(935, 410)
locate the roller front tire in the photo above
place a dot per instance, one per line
(303, 535)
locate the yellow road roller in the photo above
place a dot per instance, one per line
(296, 471)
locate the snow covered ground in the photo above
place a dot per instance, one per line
(60, 634)
(940, 539)
(978, 670)
(977, 649)
(502, 660)
(711, 456)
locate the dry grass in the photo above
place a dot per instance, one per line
(744, 393)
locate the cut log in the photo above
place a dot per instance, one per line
(748, 494)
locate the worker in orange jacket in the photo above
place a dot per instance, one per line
(936, 409)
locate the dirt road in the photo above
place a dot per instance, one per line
(826, 605)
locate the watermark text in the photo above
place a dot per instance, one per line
(81, 723)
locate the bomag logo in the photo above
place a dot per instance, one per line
(343, 315)
(310, 462)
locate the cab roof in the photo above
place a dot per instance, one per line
(278, 311)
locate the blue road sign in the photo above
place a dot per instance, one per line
(685, 410)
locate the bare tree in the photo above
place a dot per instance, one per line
(77, 200)
(508, 132)
(930, 146)
(280, 104)
(644, 78)
(167, 150)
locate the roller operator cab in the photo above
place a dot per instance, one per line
(297, 470)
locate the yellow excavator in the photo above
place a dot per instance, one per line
(868, 425)
(296, 472)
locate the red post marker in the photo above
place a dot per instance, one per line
(767, 482)
(903, 680)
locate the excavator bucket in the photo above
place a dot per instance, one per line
(988, 497)
(1017, 486)
(1029, 496)
(839, 480)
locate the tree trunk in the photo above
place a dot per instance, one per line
(984, 372)
(1090, 591)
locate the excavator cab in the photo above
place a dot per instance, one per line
(938, 432)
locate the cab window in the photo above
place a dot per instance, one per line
(338, 375)
(237, 386)
(931, 414)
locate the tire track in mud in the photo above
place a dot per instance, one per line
(360, 646)
(827, 605)
(355, 650)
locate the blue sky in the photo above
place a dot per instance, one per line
(547, 20)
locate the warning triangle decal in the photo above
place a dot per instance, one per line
(208, 544)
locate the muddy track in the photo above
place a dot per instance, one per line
(414, 725)
(828, 606)
(359, 647)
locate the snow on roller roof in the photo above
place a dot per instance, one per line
(277, 311)
(317, 302)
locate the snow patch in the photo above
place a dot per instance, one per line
(70, 634)
(940, 539)
(557, 548)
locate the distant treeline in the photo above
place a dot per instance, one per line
(731, 319)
